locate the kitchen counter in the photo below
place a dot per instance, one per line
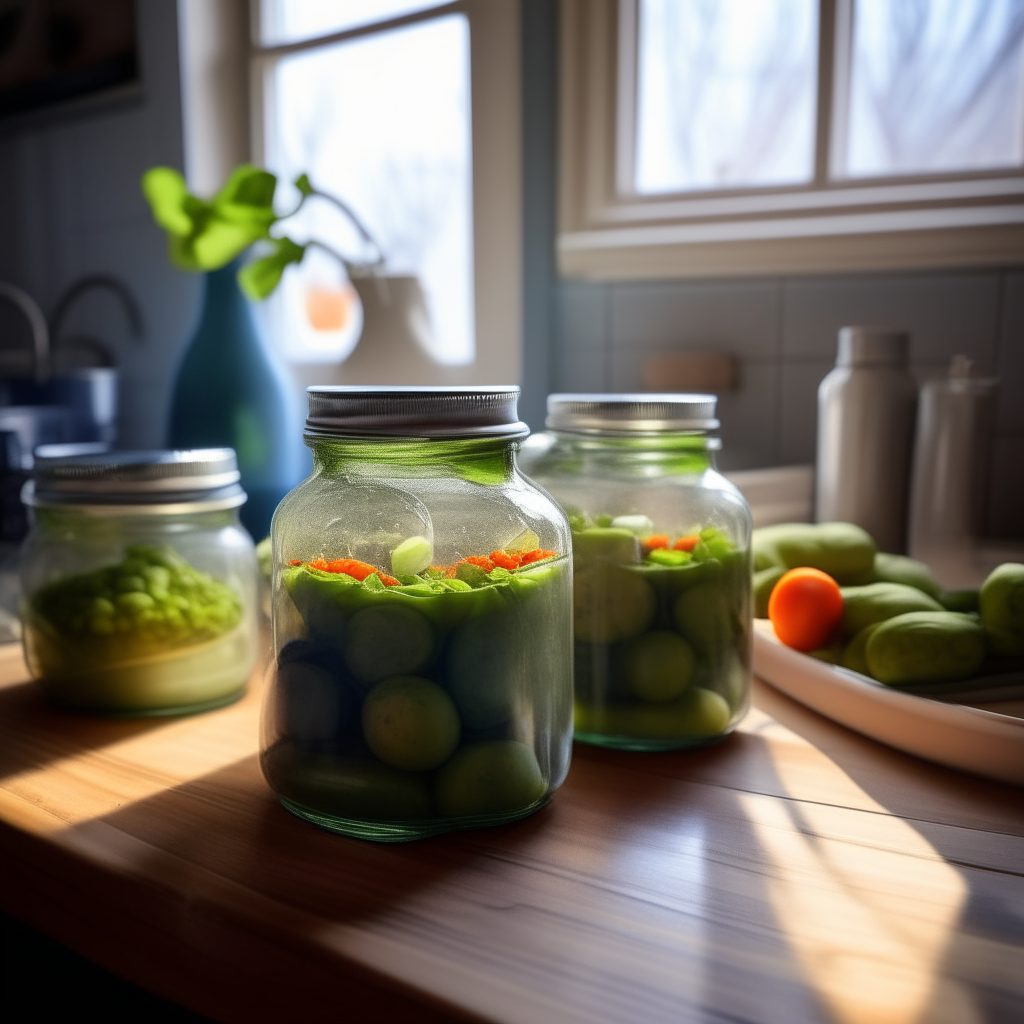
(795, 872)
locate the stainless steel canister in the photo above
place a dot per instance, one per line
(866, 408)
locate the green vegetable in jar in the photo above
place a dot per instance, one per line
(764, 584)
(658, 666)
(877, 602)
(489, 778)
(611, 603)
(410, 723)
(1001, 603)
(383, 641)
(920, 647)
(702, 615)
(699, 713)
(151, 601)
(608, 545)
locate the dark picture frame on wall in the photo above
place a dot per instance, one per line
(63, 55)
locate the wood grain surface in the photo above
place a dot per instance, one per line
(795, 872)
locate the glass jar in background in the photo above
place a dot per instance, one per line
(661, 554)
(422, 619)
(138, 581)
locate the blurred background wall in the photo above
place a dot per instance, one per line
(72, 205)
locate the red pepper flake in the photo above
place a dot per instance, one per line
(687, 543)
(481, 561)
(536, 555)
(352, 567)
(654, 542)
(504, 560)
(388, 581)
(295, 561)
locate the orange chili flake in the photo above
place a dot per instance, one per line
(504, 560)
(350, 567)
(295, 561)
(687, 543)
(655, 541)
(536, 555)
(481, 561)
(388, 581)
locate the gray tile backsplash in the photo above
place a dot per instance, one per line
(783, 331)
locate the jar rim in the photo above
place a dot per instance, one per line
(435, 412)
(631, 414)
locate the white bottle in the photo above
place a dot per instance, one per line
(866, 408)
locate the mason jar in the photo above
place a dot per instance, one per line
(661, 556)
(422, 614)
(138, 581)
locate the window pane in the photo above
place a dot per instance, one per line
(936, 85)
(725, 93)
(287, 21)
(382, 122)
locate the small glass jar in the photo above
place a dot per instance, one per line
(138, 582)
(661, 554)
(422, 616)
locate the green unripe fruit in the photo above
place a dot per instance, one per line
(658, 666)
(605, 545)
(908, 571)
(384, 641)
(702, 615)
(1001, 603)
(924, 647)
(697, 714)
(411, 723)
(842, 550)
(489, 778)
(880, 601)
(855, 655)
(611, 604)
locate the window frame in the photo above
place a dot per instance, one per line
(606, 231)
(495, 119)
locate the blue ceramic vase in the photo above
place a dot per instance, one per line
(231, 392)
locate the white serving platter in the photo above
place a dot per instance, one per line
(984, 739)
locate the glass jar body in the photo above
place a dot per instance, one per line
(129, 612)
(662, 607)
(422, 613)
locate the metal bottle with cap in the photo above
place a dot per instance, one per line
(661, 555)
(422, 619)
(138, 580)
(866, 408)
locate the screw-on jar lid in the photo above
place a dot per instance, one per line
(204, 477)
(414, 412)
(873, 346)
(631, 414)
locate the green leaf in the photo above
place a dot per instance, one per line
(471, 574)
(260, 277)
(220, 242)
(373, 583)
(167, 194)
(247, 198)
(303, 185)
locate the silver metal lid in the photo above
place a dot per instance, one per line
(414, 412)
(873, 346)
(631, 414)
(201, 476)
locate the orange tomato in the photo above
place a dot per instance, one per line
(805, 608)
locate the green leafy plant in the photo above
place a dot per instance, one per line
(208, 234)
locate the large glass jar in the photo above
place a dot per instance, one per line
(661, 554)
(422, 619)
(138, 581)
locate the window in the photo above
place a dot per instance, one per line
(706, 137)
(408, 112)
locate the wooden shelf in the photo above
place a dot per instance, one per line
(796, 871)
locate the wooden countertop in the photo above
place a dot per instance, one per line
(795, 872)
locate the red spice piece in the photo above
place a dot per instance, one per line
(536, 555)
(481, 561)
(655, 541)
(295, 561)
(504, 560)
(388, 581)
(687, 543)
